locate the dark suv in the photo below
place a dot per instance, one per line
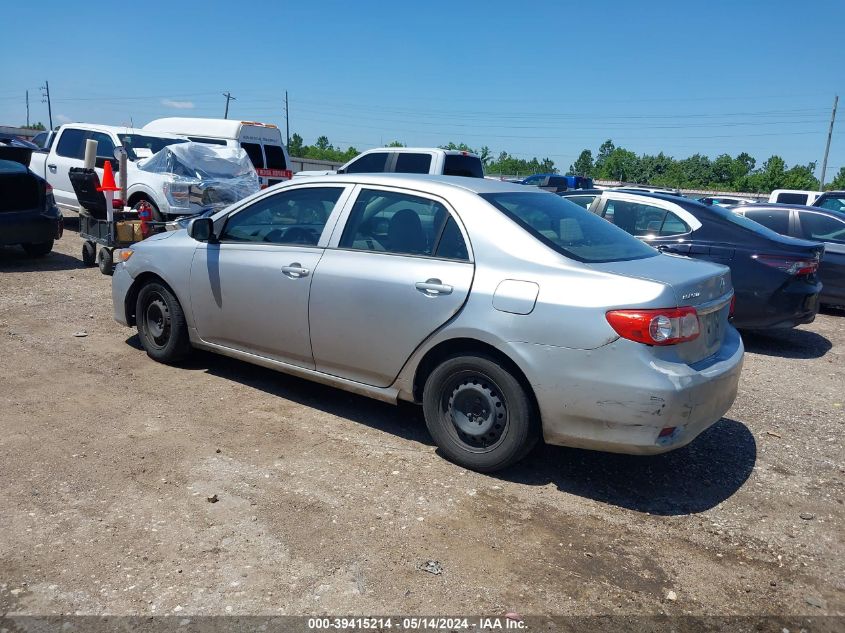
(28, 213)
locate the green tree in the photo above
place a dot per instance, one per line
(295, 146)
(621, 164)
(35, 126)
(605, 150)
(583, 165)
(322, 143)
(838, 181)
(801, 177)
(396, 144)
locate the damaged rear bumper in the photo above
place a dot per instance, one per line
(620, 397)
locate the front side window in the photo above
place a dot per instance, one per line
(105, 146)
(368, 164)
(289, 217)
(774, 219)
(568, 229)
(253, 150)
(815, 226)
(407, 163)
(833, 203)
(400, 223)
(71, 143)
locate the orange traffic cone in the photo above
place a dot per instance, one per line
(108, 179)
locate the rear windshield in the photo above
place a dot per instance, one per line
(19, 190)
(461, 165)
(152, 143)
(569, 229)
(275, 157)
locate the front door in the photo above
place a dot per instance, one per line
(249, 291)
(400, 270)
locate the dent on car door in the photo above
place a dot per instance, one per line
(399, 270)
(249, 290)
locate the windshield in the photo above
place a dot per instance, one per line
(569, 229)
(153, 143)
(832, 203)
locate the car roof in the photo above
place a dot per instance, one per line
(434, 182)
(786, 207)
(833, 193)
(581, 192)
(121, 129)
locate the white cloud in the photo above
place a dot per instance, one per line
(179, 105)
(61, 118)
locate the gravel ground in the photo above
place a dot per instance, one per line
(130, 487)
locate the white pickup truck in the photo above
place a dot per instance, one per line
(410, 160)
(66, 149)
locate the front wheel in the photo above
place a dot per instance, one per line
(479, 414)
(161, 324)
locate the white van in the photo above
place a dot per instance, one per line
(794, 196)
(261, 141)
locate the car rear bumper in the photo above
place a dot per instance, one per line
(620, 397)
(796, 303)
(27, 227)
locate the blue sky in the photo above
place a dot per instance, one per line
(542, 79)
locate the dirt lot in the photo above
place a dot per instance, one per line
(330, 503)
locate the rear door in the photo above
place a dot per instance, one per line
(398, 267)
(820, 227)
(69, 151)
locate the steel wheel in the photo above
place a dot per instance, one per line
(161, 323)
(157, 320)
(478, 412)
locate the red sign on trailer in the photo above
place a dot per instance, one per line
(275, 173)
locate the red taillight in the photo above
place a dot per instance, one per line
(666, 326)
(789, 265)
(49, 188)
(666, 431)
(733, 305)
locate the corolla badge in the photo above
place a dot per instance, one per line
(690, 295)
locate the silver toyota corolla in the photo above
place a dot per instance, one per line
(508, 312)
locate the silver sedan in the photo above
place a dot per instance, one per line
(509, 313)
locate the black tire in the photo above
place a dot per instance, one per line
(105, 261)
(157, 216)
(161, 324)
(479, 414)
(89, 253)
(38, 249)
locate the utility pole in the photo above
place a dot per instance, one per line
(287, 121)
(229, 98)
(827, 147)
(45, 97)
(27, 108)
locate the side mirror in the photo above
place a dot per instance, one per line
(202, 230)
(341, 171)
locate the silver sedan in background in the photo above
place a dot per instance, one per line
(509, 314)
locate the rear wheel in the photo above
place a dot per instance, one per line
(161, 324)
(38, 249)
(479, 414)
(89, 253)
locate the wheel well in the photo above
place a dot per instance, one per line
(132, 295)
(459, 346)
(137, 197)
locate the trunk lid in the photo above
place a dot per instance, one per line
(703, 285)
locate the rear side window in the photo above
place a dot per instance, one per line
(368, 164)
(71, 143)
(643, 219)
(207, 141)
(253, 150)
(413, 163)
(792, 198)
(569, 229)
(815, 226)
(394, 222)
(275, 157)
(463, 165)
(774, 219)
(582, 201)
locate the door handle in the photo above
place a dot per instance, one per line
(52, 168)
(295, 270)
(433, 288)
